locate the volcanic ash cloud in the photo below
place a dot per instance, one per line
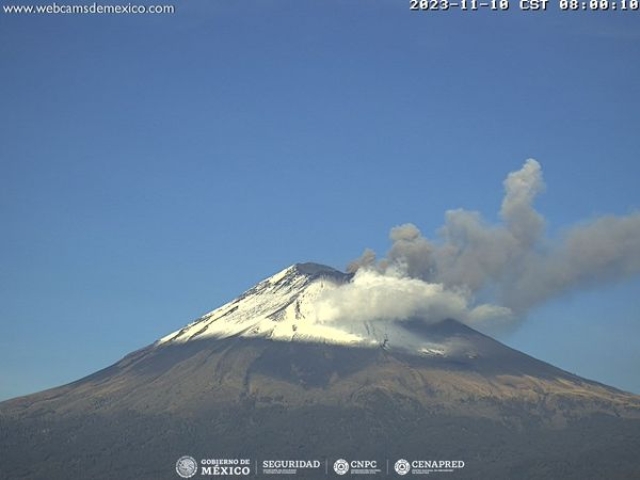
(483, 273)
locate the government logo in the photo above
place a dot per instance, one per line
(341, 466)
(402, 467)
(186, 466)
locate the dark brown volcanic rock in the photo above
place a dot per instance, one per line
(505, 414)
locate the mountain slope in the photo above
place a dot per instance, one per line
(260, 378)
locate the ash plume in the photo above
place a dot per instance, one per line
(484, 273)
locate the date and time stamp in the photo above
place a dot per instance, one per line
(525, 5)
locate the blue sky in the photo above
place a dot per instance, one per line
(152, 168)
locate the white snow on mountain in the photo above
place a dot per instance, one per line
(289, 306)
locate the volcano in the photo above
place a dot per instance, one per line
(266, 380)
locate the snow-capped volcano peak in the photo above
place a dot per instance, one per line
(281, 307)
(288, 306)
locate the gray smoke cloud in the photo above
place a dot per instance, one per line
(498, 271)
